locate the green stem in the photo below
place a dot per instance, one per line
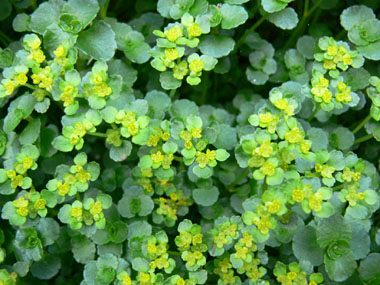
(5, 39)
(96, 134)
(339, 187)
(306, 8)
(250, 30)
(363, 139)
(30, 86)
(301, 25)
(314, 113)
(113, 125)
(361, 124)
(172, 93)
(175, 253)
(103, 9)
(177, 158)
(238, 179)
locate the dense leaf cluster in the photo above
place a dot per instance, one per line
(189, 142)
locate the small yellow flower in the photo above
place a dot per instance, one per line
(76, 212)
(268, 168)
(194, 30)
(171, 53)
(196, 65)
(40, 204)
(96, 208)
(196, 132)
(273, 207)
(23, 211)
(10, 87)
(157, 157)
(332, 50)
(174, 33)
(297, 195)
(59, 51)
(21, 79)
(35, 44)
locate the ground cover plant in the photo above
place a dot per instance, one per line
(189, 142)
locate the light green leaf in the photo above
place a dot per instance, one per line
(233, 16)
(206, 197)
(286, 19)
(216, 46)
(98, 41)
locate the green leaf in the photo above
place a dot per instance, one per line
(206, 197)
(332, 229)
(121, 153)
(205, 172)
(31, 133)
(47, 267)
(84, 11)
(98, 41)
(272, 6)
(168, 81)
(131, 42)
(355, 15)
(342, 138)
(341, 268)
(305, 246)
(221, 155)
(286, 19)
(21, 22)
(369, 268)
(216, 46)
(371, 51)
(233, 16)
(62, 144)
(5, 9)
(46, 14)
(83, 249)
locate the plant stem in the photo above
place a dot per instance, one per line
(30, 86)
(96, 134)
(240, 178)
(363, 139)
(172, 93)
(176, 253)
(361, 124)
(339, 187)
(314, 113)
(204, 88)
(4, 38)
(103, 9)
(302, 24)
(250, 30)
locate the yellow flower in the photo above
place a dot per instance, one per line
(188, 145)
(202, 159)
(326, 96)
(305, 147)
(332, 50)
(174, 33)
(315, 202)
(265, 150)
(23, 211)
(294, 135)
(196, 65)
(152, 249)
(11, 174)
(40, 204)
(165, 136)
(241, 252)
(347, 60)
(329, 64)
(96, 208)
(268, 168)
(196, 132)
(171, 53)
(194, 30)
(37, 55)
(27, 162)
(76, 212)
(273, 207)
(59, 51)
(21, 79)
(9, 87)
(126, 280)
(21, 202)
(157, 157)
(297, 195)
